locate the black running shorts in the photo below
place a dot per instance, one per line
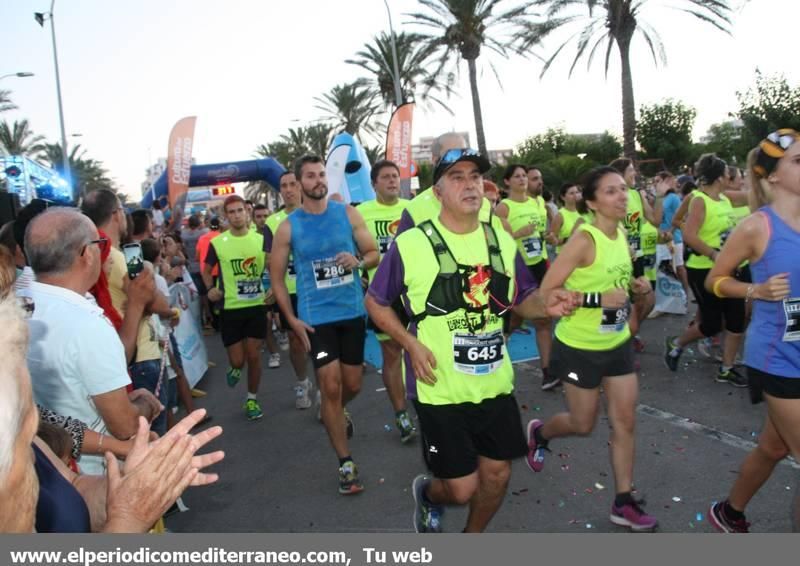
(342, 340)
(453, 436)
(761, 382)
(587, 368)
(238, 324)
(282, 317)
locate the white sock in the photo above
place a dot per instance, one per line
(251, 396)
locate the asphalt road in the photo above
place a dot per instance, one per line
(280, 474)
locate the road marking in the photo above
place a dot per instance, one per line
(707, 431)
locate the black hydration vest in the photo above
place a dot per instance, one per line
(447, 292)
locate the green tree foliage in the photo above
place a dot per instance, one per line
(665, 132)
(417, 81)
(461, 29)
(87, 174)
(771, 103)
(562, 157)
(19, 139)
(5, 101)
(597, 26)
(598, 148)
(728, 141)
(351, 107)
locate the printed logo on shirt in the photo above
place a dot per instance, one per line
(245, 267)
(386, 227)
(633, 223)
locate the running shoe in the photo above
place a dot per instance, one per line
(671, 360)
(549, 381)
(705, 346)
(348, 423)
(252, 410)
(232, 376)
(731, 377)
(302, 392)
(274, 361)
(535, 458)
(724, 524)
(632, 515)
(427, 516)
(405, 426)
(283, 340)
(638, 345)
(349, 484)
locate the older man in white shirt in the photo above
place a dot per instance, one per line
(76, 359)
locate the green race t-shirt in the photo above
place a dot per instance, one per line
(241, 262)
(382, 221)
(531, 211)
(273, 222)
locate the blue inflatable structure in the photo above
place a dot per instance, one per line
(347, 168)
(266, 169)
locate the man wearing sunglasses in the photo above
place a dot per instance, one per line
(76, 360)
(458, 277)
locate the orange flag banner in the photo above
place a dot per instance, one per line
(179, 163)
(398, 139)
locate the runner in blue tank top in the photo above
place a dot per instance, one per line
(769, 239)
(326, 239)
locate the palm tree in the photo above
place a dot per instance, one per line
(414, 55)
(462, 28)
(19, 139)
(5, 101)
(87, 174)
(351, 107)
(615, 22)
(319, 137)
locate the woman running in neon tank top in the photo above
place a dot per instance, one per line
(568, 217)
(709, 224)
(527, 224)
(593, 346)
(769, 239)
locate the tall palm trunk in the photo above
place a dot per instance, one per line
(628, 105)
(476, 106)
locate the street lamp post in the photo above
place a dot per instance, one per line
(20, 74)
(40, 18)
(398, 93)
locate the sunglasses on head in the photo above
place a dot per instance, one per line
(782, 139)
(453, 155)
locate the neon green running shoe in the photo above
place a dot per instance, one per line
(232, 376)
(253, 410)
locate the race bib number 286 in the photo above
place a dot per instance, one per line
(328, 273)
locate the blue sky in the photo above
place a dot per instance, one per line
(248, 69)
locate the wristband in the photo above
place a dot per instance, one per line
(592, 300)
(715, 287)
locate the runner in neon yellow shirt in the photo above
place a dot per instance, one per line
(292, 199)
(593, 347)
(239, 253)
(527, 218)
(458, 277)
(382, 217)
